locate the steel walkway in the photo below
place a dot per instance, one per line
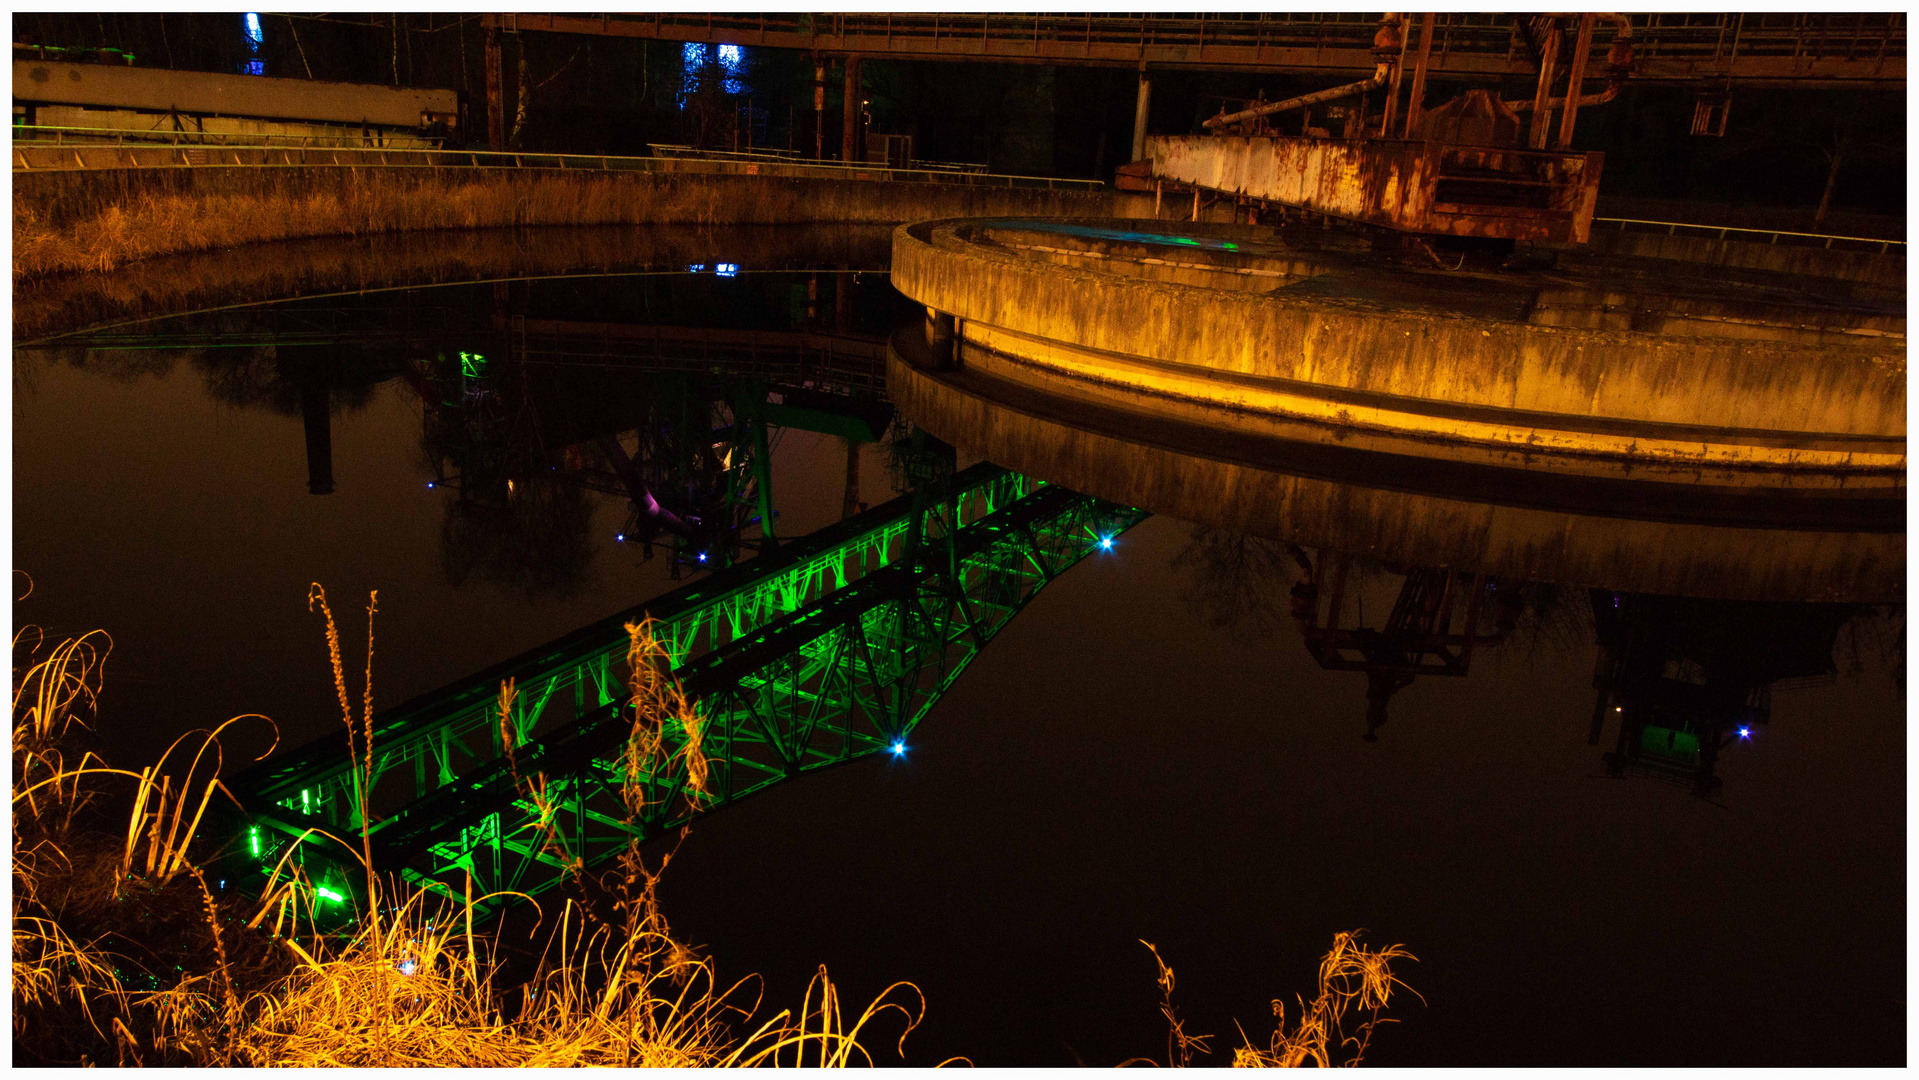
(830, 648)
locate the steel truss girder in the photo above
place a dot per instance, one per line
(834, 649)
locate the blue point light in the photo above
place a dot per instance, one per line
(1745, 733)
(702, 556)
(1106, 542)
(620, 537)
(898, 749)
(429, 484)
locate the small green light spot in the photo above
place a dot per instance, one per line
(1229, 245)
(253, 834)
(1187, 240)
(306, 801)
(328, 894)
(472, 365)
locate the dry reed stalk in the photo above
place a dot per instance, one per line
(1179, 1045)
(1349, 975)
(363, 763)
(413, 988)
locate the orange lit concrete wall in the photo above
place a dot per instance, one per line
(1573, 398)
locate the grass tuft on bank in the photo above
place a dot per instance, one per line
(125, 955)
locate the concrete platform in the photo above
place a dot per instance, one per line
(1651, 373)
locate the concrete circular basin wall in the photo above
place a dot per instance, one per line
(1305, 335)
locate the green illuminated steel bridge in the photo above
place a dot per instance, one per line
(826, 649)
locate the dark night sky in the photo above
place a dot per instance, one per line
(1113, 768)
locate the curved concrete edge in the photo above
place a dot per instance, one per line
(1126, 463)
(1502, 437)
(96, 219)
(1607, 375)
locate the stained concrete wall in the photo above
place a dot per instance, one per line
(1612, 383)
(1868, 267)
(100, 218)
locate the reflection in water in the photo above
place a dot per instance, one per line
(599, 400)
(1684, 679)
(667, 392)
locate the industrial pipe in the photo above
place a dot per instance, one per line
(1379, 78)
(1618, 63)
(1611, 92)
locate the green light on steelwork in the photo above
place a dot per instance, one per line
(1229, 245)
(306, 801)
(253, 835)
(472, 365)
(1187, 240)
(328, 894)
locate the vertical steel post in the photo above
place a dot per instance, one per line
(819, 110)
(495, 116)
(1418, 99)
(1392, 85)
(1140, 107)
(1542, 115)
(1574, 76)
(850, 118)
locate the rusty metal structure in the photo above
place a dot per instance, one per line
(1754, 48)
(1471, 167)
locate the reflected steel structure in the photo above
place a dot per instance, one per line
(831, 648)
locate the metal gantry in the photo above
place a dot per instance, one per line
(830, 648)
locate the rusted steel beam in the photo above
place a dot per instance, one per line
(1300, 46)
(1575, 78)
(1420, 187)
(1418, 99)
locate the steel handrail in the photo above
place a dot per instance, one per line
(796, 157)
(1672, 229)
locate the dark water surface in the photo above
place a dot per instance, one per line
(1118, 765)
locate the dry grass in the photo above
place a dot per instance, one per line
(122, 953)
(1352, 978)
(96, 979)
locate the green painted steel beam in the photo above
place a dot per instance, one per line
(838, 672)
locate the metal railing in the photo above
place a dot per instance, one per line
(90, 136)
(1734, 232)
(795, 157)
(76, 157)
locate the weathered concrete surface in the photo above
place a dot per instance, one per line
(101, 218)
(1649, 538)
(1412, 186)
(1867, 267)
(1435, 364)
